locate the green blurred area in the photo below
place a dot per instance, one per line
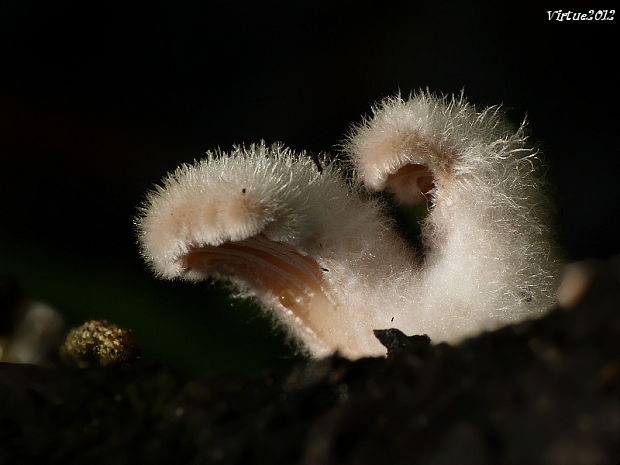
(195, 328)
(408, 221)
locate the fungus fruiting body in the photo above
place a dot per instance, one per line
(324, 256)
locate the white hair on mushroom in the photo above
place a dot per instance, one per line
(325, 258)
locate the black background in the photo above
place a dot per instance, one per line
(99, 100)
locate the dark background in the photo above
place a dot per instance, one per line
(99, 101)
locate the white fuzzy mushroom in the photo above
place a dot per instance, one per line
(325, 257)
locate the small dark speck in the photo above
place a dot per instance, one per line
(243, 190)
(316, 161)
(392, 320)
(324, 269)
